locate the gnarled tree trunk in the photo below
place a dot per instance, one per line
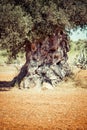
(46, 61)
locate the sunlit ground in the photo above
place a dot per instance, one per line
(61, 108)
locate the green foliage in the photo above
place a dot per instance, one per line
(35, 19)
(3, 56)
(81, 57)
(14, 26)
(77, 48)
(81, 44)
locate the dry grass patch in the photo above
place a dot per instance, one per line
(81, 79)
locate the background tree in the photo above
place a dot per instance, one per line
(81, 57)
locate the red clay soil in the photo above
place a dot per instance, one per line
(63, 108)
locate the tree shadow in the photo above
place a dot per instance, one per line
(5, 86)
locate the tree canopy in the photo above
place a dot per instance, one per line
(36, 19)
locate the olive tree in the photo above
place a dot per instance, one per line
(39, 28)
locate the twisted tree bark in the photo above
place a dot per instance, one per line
(46, 62)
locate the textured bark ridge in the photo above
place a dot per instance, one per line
(47, 61)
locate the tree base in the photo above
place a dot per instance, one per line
(49, 75)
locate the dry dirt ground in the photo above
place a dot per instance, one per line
(63, 108)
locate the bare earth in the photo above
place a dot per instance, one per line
(64, 108)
